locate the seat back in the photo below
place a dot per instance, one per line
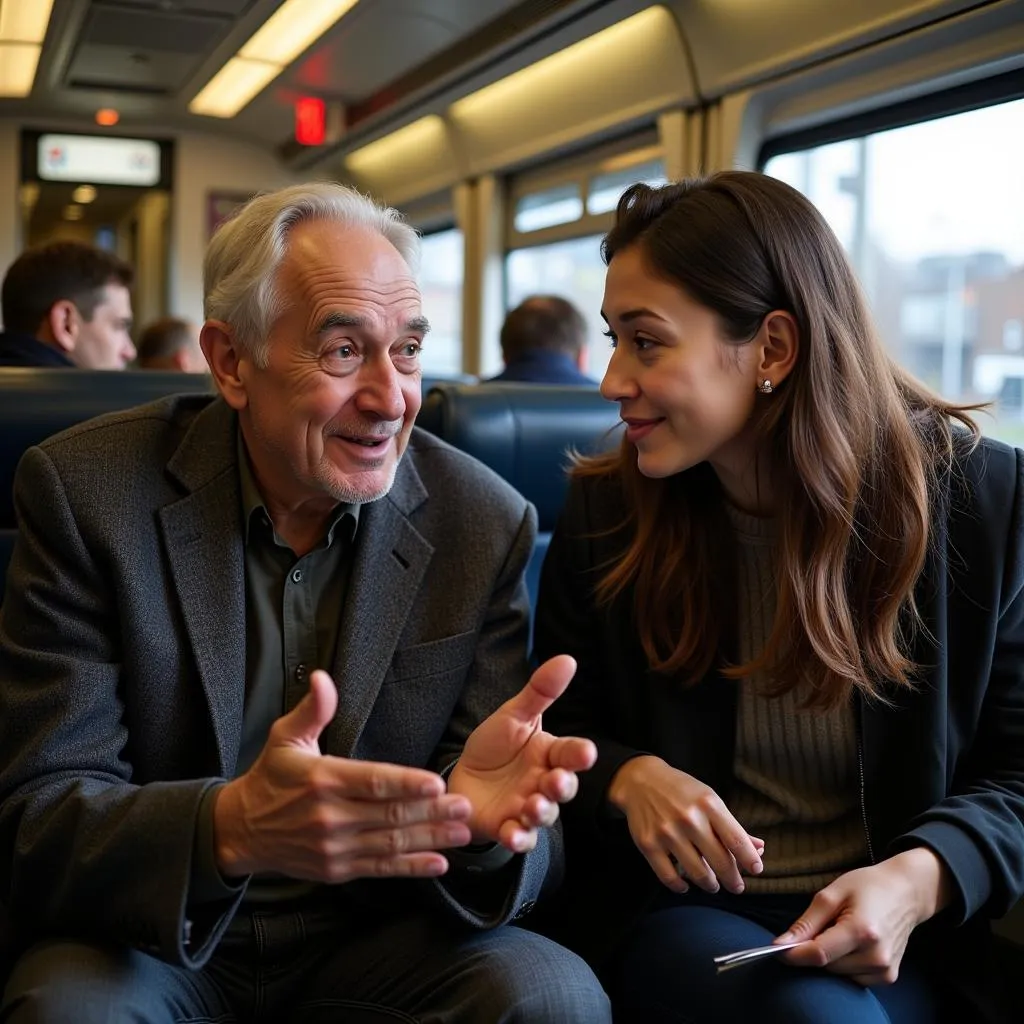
(525, 433)
(36, 403)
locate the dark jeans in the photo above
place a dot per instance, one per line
(665, 971)
(304, 966)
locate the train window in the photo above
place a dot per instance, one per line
(557, 216)
(573, 269)
(441, 284)
(931, 217)
(558, 205)
(605, 189)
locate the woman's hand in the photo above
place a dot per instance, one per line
(682, 827)
(859, 925)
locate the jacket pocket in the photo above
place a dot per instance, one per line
(448, 654)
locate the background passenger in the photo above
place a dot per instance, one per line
(67, 304)
(796, 596)
(171, 343)
(188, 804)
(544, 341)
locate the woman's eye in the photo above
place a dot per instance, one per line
(612, 337)
(643, 344)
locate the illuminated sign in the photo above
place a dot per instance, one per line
(99, 160)
(310, 121)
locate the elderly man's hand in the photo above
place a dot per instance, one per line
(307, 815)
(513, 773)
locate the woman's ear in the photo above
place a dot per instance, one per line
(780, 346)
(222, 355)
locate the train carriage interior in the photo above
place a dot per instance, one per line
(505, 132)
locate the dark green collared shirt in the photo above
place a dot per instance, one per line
(293, 610)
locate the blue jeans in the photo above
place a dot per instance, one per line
(306, 966)
(665, 972)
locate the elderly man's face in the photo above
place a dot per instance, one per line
(330, 415)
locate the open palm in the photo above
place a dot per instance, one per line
(514, 774)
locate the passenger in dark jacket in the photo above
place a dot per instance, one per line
(543, 341)
(795, 598)
(67, 304)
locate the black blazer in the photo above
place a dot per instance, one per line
(942, 767)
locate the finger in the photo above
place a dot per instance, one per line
(539, 812)
(821, 912)
(546, 685)
(701, 852)
(695, 867)
(304, 723)
(399, 813)
(559, 785)
(373, 780)
(758, 845)
(744, 853)
(393, 842)
(572, 753)
(827, 949)
(412, 865)
(516, 838)
(667, 871)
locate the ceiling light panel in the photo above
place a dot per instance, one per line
(233, 87)
(17, 68)
(290, 31)
(24, 21)
(293, 28)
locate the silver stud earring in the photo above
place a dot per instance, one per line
(765, 387)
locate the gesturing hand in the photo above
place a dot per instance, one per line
(682, 827)
(860, 924)
(515, 774)
(307, 815)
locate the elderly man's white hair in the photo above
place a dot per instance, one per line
(240, 268)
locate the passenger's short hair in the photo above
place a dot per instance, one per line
(164, 338)
(546, 322)
(46, 274)
(242, 259)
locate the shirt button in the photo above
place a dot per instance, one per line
(297, 576)
(300, 673)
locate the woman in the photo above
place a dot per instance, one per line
(794, 594)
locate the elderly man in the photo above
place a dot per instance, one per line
(197, 821)
(67, 304)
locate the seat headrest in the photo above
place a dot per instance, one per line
(36, 403)
(524, 432)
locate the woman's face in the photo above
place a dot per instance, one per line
(685, 393)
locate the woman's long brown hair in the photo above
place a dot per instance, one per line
(855, 446)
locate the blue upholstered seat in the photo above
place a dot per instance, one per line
(524, 432)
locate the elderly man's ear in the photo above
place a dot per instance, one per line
(223, 357)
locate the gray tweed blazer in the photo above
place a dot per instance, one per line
(122, 665)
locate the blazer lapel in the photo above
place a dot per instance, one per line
(390, 560)
(204, 547)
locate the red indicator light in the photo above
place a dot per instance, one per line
(310, 121)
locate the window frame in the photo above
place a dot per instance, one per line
(976, 95)
(579, 170)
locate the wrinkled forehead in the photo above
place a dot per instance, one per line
(324, 257)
